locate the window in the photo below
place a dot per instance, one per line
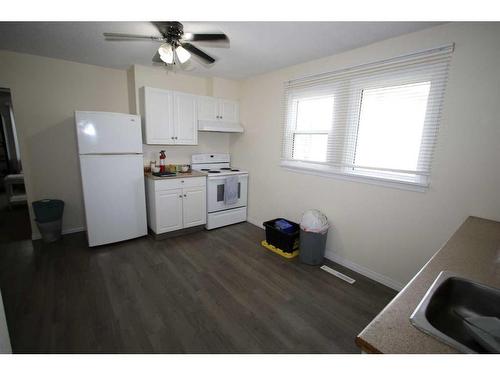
(374, 122)
(313, 121)
(390, 126)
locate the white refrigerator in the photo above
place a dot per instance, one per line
(111, 166)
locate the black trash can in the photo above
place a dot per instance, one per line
(48, 217)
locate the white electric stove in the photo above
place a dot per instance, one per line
(218, 167)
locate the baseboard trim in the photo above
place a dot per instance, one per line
(255, 222)
(382, 279)
(330, 255)
(37, 236)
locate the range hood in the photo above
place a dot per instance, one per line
(219, 126)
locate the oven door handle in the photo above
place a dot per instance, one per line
(224, 177)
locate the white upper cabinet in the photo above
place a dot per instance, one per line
(158, 120)
(169, 117)
(185, 119)
(174, 118)
(229, 110)
(215, 114)
(208, 108)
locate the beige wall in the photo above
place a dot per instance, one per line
(140, 76)
(224, 88)
(45, 94)
(385, 232)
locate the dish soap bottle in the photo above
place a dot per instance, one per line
(162, 161)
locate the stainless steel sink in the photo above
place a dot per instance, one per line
(448, 301)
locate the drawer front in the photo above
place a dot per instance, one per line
(179, 183)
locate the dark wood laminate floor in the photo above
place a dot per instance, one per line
(209, 292)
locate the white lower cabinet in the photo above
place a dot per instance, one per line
(168, 210)
(194, 206)
(175, 204)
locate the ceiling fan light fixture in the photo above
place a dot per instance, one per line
(176, 47)
(166, 53)
(182, 54)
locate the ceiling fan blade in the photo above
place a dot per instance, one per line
(157, 59)
(125, 37)
(199, 53)
(215, 37)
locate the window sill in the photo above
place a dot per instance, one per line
(328, 171)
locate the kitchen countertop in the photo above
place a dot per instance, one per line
(472, 252)
(178, 175)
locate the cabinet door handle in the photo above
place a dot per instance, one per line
(172, 137)
(180, 196)
(184, 195)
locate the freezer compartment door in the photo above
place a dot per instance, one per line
(108, 133)
(113, 192)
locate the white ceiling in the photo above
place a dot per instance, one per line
(256, 47)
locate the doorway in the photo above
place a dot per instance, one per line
(14, 216)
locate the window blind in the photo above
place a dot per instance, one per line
(385, 120)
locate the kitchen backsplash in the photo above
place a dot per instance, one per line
(207, 142)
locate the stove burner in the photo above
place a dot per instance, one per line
(225, 169)
(235, 170)
(213, 171)
(205, 169)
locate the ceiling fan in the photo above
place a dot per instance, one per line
(176, 45)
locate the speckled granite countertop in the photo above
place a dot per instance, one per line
(472, 252)
(178, 175)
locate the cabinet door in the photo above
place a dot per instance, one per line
(208, 108)
(168, 210)
(229, 110)
(194, 206)
(185, 119)
(158, 115)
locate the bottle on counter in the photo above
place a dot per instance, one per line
(162, 161)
